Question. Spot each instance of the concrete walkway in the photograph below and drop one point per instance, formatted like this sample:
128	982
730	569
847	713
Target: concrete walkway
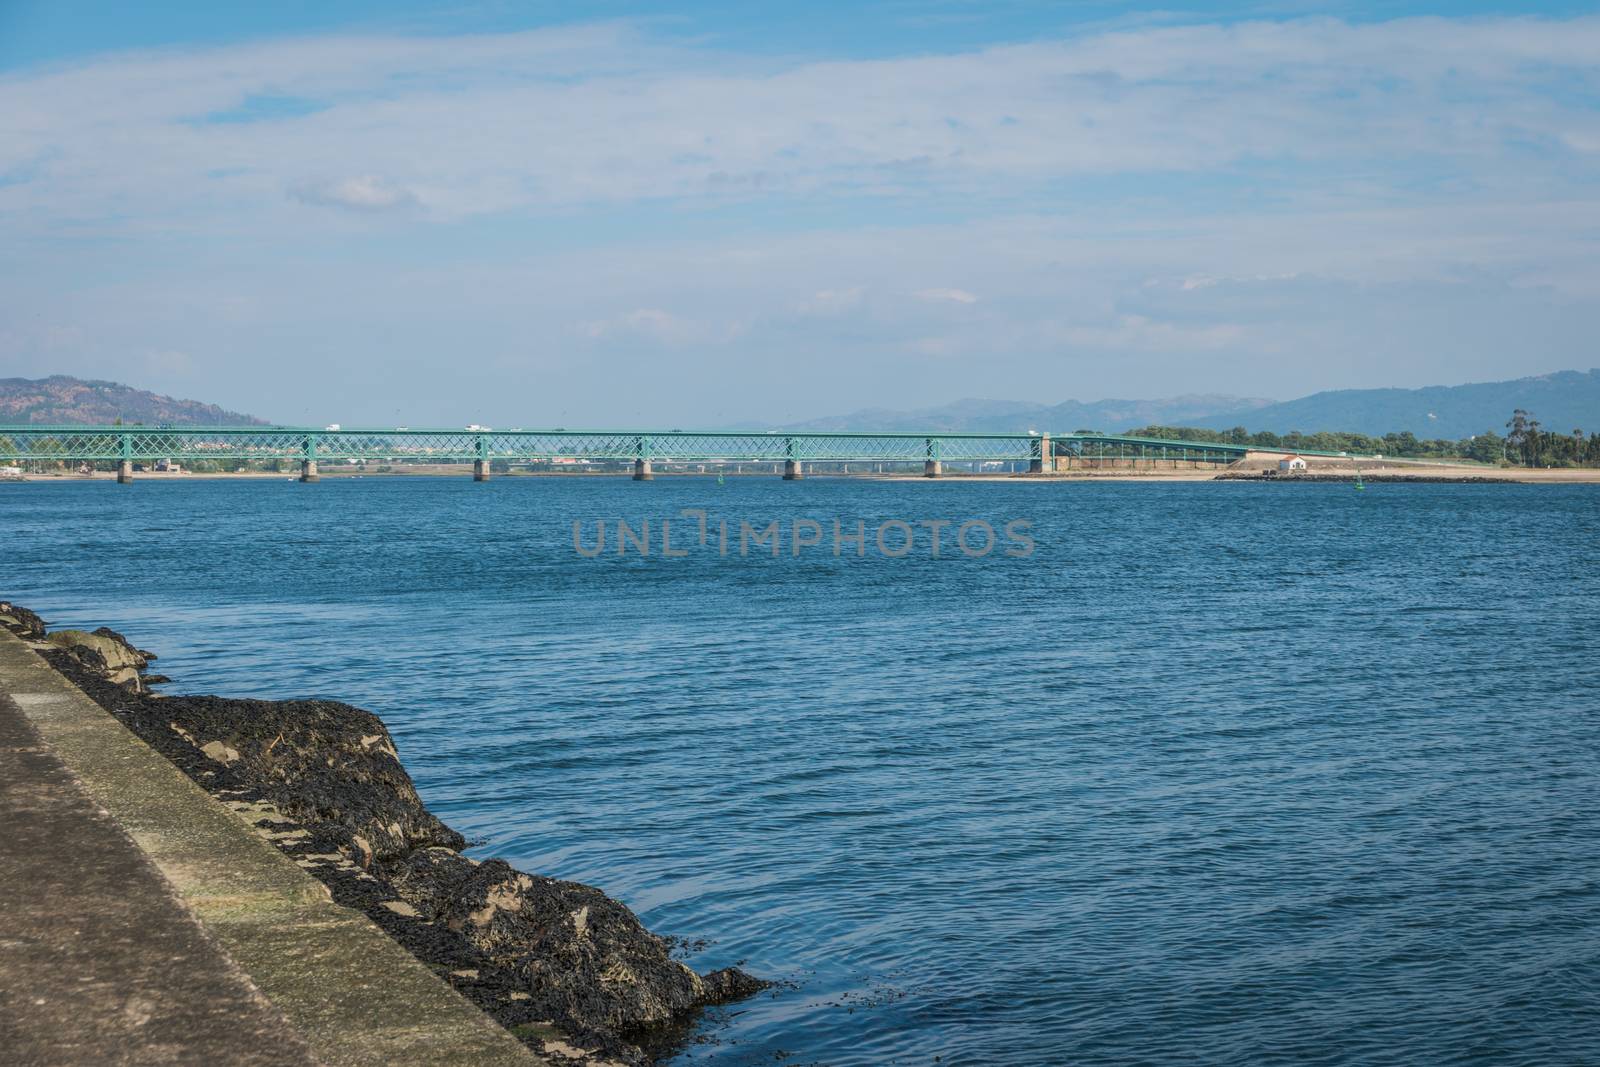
99	961
143	922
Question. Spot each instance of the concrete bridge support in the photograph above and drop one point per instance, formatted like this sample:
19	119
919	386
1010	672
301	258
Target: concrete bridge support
792	470
480	466
932	468
642	471
308	471
125	472
1043	461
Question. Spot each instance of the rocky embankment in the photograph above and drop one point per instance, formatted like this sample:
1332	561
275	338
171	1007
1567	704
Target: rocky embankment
563	966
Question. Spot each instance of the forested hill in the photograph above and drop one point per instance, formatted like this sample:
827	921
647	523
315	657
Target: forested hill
1563	402
63	400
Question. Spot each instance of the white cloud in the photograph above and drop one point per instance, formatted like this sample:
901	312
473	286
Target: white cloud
1206	281
661	327
364	193
827	302
539	120
1140	333
949	296
1318	201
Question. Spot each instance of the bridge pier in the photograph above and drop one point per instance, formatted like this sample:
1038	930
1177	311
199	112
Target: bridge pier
932	468
642	471
1044	460
308	471
480	466
792	471
125	472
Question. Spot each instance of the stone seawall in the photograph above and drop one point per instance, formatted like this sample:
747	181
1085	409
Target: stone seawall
565	968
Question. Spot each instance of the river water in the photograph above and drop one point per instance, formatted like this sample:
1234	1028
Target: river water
1230	773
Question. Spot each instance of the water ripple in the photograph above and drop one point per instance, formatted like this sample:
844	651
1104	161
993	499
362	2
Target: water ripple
1225	773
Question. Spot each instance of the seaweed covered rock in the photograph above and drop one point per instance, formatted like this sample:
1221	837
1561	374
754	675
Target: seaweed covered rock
325	764
104	652
583	957
23	620
566	968
729	984
140	657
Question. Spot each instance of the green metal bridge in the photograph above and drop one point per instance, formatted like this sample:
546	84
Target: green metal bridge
127	446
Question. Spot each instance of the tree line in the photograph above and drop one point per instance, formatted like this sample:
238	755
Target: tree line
1525	443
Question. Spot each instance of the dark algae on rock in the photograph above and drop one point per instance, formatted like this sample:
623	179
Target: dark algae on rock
566	968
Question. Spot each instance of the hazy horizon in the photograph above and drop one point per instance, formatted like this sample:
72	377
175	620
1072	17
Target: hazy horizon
1566	398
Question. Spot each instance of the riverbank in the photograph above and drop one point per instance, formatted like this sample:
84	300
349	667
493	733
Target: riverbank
567	970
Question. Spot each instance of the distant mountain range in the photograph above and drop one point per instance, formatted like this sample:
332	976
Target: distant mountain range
1563	401
1004	416
62	399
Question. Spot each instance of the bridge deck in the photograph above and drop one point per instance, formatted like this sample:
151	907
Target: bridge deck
140	444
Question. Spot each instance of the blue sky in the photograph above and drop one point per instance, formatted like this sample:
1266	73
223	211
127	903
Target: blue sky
33	32
614	213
